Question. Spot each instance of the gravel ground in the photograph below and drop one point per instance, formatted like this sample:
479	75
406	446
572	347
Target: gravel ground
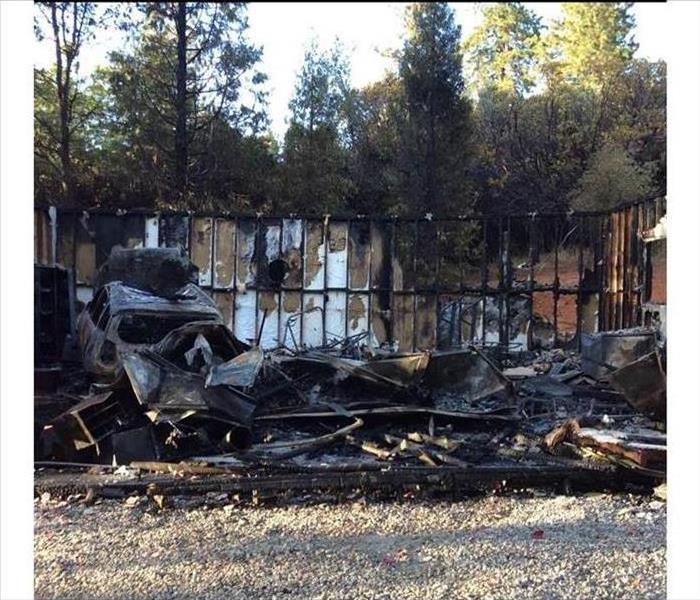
590	546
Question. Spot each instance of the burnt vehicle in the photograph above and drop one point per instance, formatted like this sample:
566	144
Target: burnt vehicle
143	295
124	319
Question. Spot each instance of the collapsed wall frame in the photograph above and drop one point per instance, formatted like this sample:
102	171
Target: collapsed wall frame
518	282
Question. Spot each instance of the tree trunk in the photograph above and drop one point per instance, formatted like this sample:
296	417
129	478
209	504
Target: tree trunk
181	158
62	92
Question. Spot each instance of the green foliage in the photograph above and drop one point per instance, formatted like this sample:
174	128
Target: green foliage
502	51
374	123
434	148
322	88
173	132
314	174
61	108
532	148
612	178
591	44
555	119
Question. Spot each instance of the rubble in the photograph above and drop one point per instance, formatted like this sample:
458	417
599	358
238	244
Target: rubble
603	352
178	393
643	383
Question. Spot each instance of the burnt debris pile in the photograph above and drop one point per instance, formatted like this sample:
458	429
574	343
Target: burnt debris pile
174	390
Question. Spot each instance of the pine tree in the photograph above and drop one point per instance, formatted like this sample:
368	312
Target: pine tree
502	50
434	139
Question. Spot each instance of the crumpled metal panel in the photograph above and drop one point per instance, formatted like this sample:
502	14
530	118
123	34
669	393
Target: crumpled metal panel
604	352
643	383
159	384
241	371
395	371
83	426
467	371
222	342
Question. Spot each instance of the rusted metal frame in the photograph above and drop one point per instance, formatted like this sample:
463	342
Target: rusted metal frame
615	227
392	259
501	282
257	259
506	281
304	223
597	244
626	269
484	278
583	235
281	286
415	278
212	251
39	236
557	237
325	229
74	252
423	291
299	215
640	283
531	271
620	274
234	291
640	259
460	258
55	323
610	283
347	279
624	275
370	292
635	232
606	272
436	277
610	279
650	267
647	255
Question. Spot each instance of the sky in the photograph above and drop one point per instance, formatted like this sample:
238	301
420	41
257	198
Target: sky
367	30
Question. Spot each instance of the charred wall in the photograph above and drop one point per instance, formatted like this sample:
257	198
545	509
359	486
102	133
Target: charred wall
522	281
